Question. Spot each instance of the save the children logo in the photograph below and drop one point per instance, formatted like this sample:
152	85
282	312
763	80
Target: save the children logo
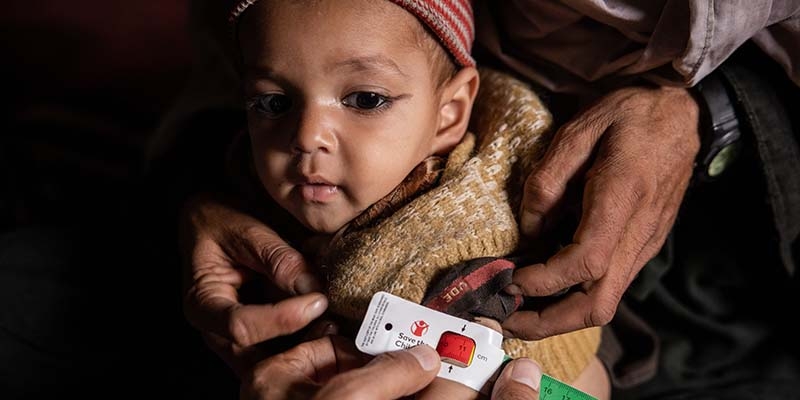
419	328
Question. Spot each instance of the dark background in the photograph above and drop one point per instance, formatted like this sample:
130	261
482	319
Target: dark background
84	83
89	278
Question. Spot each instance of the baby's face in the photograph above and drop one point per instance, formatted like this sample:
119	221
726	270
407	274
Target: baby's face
342	104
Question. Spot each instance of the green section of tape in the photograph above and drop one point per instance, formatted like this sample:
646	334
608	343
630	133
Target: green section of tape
552	389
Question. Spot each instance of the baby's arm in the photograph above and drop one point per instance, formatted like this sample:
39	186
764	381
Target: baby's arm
594	380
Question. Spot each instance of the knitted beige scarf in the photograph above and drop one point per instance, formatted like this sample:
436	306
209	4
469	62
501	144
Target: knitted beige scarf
471	213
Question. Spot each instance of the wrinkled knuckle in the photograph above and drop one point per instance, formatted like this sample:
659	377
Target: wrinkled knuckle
254	230
513	334
206	276
637	191
283	261
527	330
641	189
556	286
261	382
259	376
602	314
239	330
542	186
545	287
295	364
593	266
650	233
540	333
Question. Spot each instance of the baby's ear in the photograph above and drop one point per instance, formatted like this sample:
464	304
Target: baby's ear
458	96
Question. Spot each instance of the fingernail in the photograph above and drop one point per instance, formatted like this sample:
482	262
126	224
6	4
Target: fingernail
530	224
514	290
316	308
306	283
427	357
527	373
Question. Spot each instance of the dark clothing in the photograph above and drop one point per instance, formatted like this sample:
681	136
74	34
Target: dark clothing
721	294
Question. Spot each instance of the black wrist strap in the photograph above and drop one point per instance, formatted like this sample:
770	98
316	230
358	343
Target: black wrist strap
719	130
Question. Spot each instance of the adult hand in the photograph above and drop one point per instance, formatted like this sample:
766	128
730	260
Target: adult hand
226	248
633	151
331	368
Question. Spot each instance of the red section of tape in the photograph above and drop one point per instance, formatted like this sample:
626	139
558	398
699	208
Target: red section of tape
456	349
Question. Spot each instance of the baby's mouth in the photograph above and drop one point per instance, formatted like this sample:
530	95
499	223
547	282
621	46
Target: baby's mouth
318	192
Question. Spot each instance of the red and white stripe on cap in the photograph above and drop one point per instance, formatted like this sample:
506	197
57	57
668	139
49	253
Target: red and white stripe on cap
452	21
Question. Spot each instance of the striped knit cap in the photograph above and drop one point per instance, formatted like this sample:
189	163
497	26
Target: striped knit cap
451	21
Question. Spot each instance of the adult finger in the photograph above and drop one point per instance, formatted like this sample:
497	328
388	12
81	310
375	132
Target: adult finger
576	310
596	301
388	376
244	241
519	380
246	325
568	153
612	196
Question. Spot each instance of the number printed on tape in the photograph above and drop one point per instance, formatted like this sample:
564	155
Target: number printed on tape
552	389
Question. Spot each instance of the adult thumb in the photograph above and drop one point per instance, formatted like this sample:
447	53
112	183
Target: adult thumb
519	380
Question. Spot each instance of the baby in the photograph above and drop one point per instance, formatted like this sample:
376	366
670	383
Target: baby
358	114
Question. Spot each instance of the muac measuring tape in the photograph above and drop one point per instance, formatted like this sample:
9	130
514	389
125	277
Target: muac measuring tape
471	353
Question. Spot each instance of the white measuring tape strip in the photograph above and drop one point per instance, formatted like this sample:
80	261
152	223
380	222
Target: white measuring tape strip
471	353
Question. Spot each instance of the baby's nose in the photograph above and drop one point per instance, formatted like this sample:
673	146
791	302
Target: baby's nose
315	131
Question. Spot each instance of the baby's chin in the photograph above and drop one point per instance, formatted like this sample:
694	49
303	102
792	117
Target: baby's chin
327	224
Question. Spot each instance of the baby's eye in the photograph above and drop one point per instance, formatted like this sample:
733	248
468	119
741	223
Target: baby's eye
272	105
365	100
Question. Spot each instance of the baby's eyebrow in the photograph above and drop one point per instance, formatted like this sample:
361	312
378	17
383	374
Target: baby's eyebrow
256	72
369	63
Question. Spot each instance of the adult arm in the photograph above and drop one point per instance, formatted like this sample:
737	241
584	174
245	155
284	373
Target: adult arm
630	155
